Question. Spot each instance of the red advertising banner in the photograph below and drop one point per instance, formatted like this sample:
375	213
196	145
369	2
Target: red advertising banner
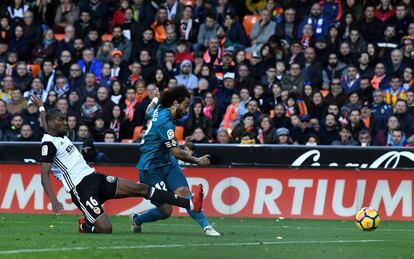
241	192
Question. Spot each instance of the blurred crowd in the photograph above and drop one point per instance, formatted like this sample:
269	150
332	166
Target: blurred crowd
326	72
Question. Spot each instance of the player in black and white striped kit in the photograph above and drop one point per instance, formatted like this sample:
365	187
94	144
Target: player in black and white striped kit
89	189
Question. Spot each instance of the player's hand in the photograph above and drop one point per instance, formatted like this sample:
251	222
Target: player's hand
204	160
36	100
57	207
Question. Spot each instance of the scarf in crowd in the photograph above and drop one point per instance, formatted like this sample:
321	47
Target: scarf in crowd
129	111
173	11
208	111
140	97
115	125
90	112
185	27
319	24
230	116
376	81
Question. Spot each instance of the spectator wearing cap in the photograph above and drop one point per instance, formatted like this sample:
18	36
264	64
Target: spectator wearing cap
89	64
282	136
121	43
294	81
119	67
225	93
319	22
207	31
186	77
12	133
235	32
262	30
301	132
226	65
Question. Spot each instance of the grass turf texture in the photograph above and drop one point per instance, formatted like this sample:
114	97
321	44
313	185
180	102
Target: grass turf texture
181	238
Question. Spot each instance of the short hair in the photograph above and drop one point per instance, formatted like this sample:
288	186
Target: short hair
249	114
190	145
53	114
109	131
179	94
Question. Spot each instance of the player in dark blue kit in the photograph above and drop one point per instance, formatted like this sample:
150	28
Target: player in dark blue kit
158	165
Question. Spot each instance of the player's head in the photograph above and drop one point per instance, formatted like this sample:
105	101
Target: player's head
177	99
56	122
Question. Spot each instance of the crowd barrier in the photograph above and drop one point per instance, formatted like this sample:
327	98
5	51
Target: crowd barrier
272	156
315	193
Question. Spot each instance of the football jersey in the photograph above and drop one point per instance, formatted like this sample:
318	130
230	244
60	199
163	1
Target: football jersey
157	140
68	164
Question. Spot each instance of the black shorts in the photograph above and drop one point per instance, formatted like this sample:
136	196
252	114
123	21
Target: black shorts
90	194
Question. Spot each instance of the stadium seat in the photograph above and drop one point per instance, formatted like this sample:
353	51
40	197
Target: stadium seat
59	36
127	141
107	37
35	68
137	132
248	22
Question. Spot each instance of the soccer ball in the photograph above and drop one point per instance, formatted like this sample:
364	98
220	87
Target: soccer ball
367	219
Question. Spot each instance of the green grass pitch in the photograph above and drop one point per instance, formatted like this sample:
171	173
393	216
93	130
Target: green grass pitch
47	236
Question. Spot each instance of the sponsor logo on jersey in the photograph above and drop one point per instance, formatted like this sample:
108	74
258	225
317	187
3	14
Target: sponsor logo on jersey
170	134
97	210
110	179
69	149
45	150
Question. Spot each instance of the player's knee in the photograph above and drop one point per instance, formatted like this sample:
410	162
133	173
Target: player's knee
105	229
183	192
166	212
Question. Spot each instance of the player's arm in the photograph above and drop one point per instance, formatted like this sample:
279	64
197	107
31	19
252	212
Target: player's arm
39	105
48	153
180	154
151	107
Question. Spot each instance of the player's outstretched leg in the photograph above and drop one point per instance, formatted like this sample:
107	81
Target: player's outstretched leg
127	188
101	225
199	217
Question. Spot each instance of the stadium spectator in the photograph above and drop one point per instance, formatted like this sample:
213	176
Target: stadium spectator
18	102
346	138
12	132
26	133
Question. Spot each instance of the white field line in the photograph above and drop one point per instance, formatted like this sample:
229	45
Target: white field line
190	225
268	243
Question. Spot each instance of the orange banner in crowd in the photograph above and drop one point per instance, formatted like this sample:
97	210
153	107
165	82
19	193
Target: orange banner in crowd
240	192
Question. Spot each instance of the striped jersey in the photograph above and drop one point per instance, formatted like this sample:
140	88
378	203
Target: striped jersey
68	164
